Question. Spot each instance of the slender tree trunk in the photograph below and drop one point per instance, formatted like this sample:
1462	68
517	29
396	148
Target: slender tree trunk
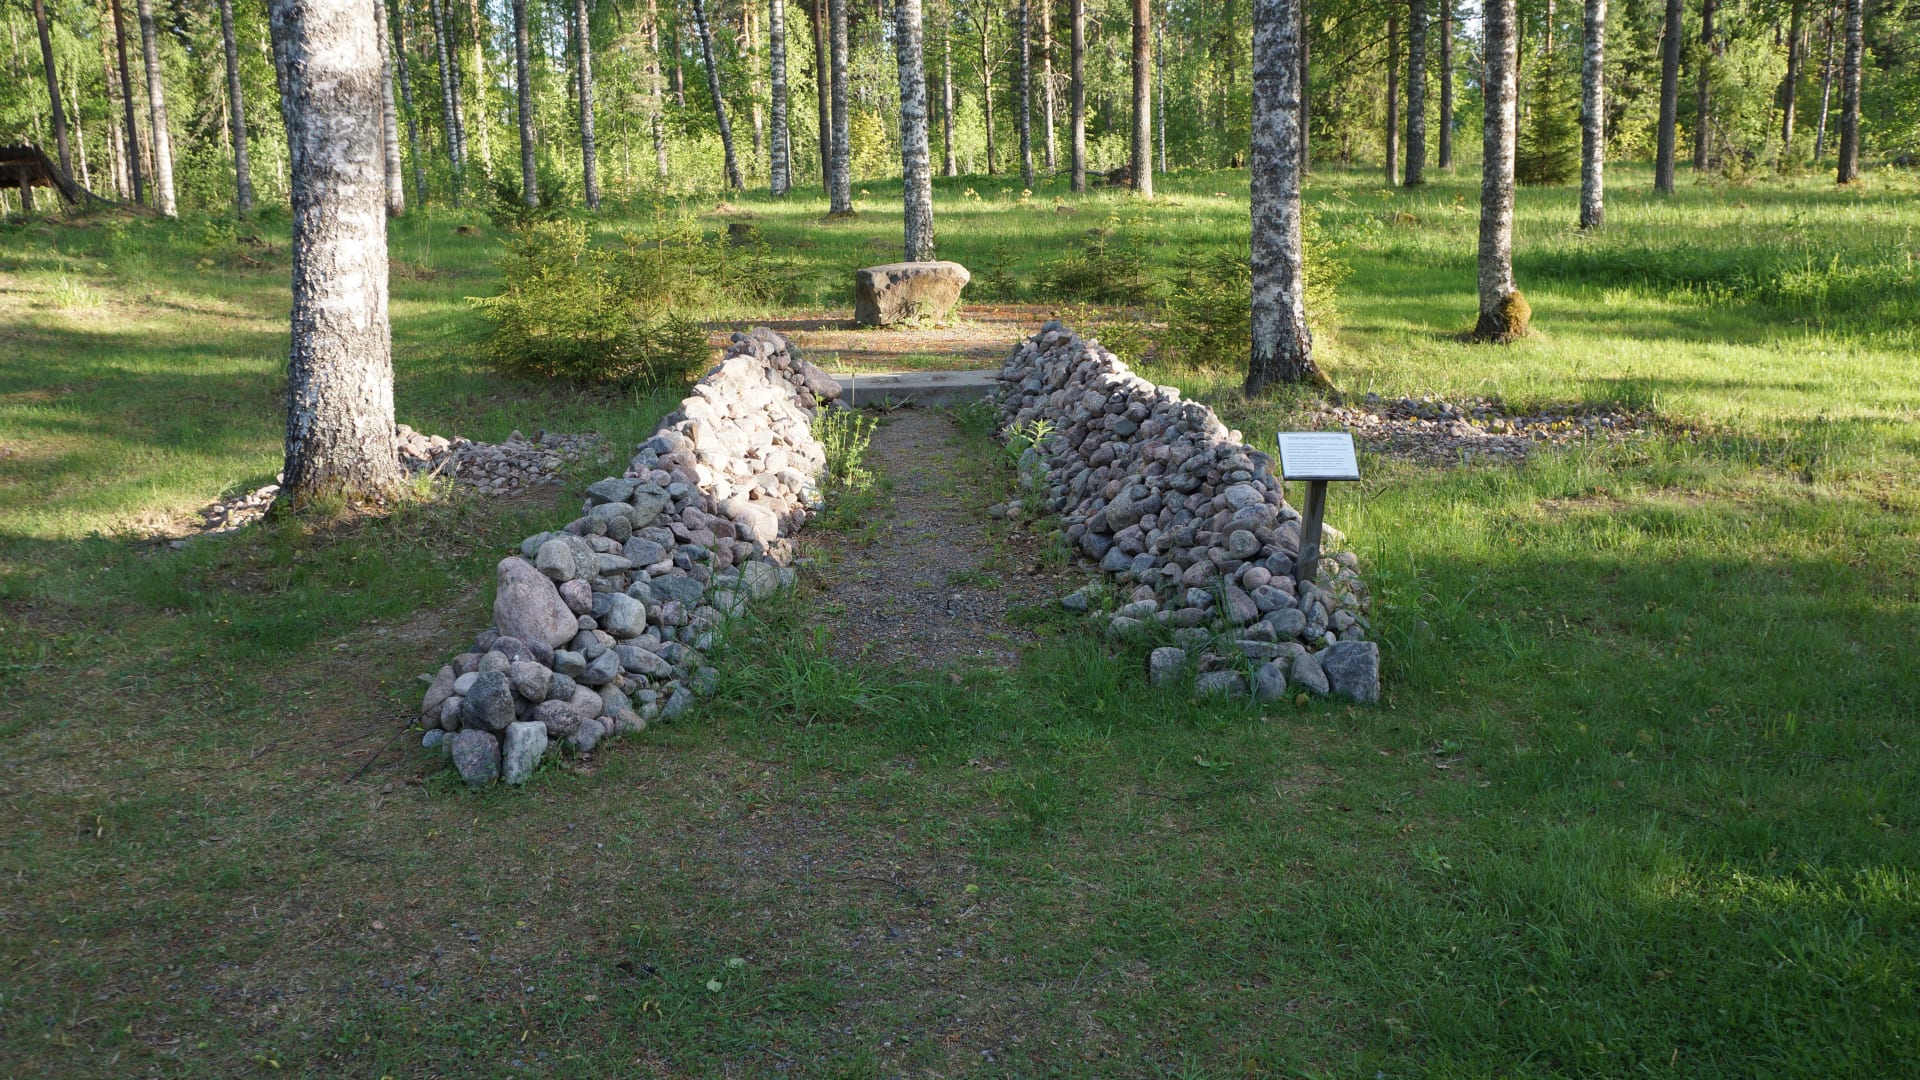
389	118
1503	313
1667	135
449	64
126	100
1306	91
589	159
916	167
840	163
340	433
780	150
1077	105
748	52
1446	85
678	77
1026	94
523	106
1393	96
116	145
1049	92
1703	105
1143	97
1790	87
948	167
53	86
986	80
1282	345
1826	87
657	105
823	88
406	98
163	200
701	27
482	91
79	129
1160	92
1416	93
1849	170
1593	116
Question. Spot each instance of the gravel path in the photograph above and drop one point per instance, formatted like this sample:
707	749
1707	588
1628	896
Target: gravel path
928	583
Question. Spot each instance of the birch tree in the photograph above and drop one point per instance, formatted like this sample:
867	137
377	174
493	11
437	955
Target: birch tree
1790	86
1282	349
162	142
389	119
449	63
1849	170
406	98
1446	85
705	31
1143	97
779	150
53	85
1503	311
1077	63
1593	116
839	163
135	172
523	106
1666	136
340	433
1026	94
1703	100
1416	94
656	98
916	167
1393	96
589	162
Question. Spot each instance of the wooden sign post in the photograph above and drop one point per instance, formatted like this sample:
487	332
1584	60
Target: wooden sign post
1316	457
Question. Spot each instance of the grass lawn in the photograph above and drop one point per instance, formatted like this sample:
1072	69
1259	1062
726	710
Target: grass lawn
1638	800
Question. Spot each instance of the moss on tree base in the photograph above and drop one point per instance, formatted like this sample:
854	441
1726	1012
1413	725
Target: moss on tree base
1507	324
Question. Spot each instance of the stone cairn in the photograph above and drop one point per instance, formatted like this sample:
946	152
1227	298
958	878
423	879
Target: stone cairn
603	626
1188	525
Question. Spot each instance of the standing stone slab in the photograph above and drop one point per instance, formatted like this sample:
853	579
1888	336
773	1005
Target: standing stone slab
526	742
884	295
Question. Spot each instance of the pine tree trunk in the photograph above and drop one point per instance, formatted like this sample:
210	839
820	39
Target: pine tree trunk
948	167
116	144
1593	116
53	86
780	149
1143	97
1077	63
1393	96
1446	85
406	97
1826	87
523	106
340	433
1049	92
449	65
916	166
1160	93
839	163
1849	170
677	80
1282	345
701	27
1026	94
1503	314
163	200
589	159
1667	136
1416	93
396	177
1790	86
1703	105
657	105
986	82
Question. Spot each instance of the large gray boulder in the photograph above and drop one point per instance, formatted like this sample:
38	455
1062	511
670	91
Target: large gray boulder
896	292
528	606
1353	668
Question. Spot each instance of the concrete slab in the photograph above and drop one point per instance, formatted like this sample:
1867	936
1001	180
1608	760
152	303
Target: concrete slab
928	389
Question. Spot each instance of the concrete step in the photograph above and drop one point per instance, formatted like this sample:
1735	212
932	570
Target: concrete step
927	389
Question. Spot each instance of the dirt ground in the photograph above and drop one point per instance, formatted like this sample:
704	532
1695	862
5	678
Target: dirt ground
979	336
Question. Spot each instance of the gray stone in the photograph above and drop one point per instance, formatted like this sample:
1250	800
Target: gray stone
676	587
492	661
560	717
1116	561
762	579
1220	684
556	560
643	662
898	292
577	595
613	489
648	502
1078	600
530	680
586	701
1287	622
476	756
438	691
677	704
1165	665
433	738
603	670
1258	650
489	704
643	552
1306	671
569	662
526	742
1270	681
1352	668
618	711
1123	627
625	617
587	736
527	605
1242	544
561	688
1240	607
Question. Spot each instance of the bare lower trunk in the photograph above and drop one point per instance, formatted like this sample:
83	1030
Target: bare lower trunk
1049	93
340	433
1849	170
657	106
406	98
1703	102
482	89
1503	314
948	167
1026	94
1446	85
1160	93
1143	97
1790	86
1593	116
839	163
53	86
986	84
779	150
79	131
1282	345
823	89
589	159
1306	92
1416	93
236	115
1393	96
1077	62
523	106
1667	137
1826	88
389	116
163	200
916	167
449	63
701	27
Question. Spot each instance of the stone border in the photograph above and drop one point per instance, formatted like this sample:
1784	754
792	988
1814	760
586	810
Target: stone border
603	626
1186	523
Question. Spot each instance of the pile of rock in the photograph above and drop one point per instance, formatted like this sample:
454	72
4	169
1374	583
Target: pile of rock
1188	525
1431	431
603	626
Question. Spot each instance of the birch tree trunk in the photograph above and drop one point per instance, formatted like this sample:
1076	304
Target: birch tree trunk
1702	114
1826	88
53	85
481	90
948	167
657	106
1416	93
1026	94
1446	86
1593	116
1306	91
236	115
406	97
986	75
1666	136
701	27
396	178
1077	64
823	89
1503	312
677	78
1790	86
779	149
163	200
449	63
1049	93
1143	97
1160	92
1849	170
1282	345
589	159
340	433
916	167
116	144
1393	96
523	106
839	163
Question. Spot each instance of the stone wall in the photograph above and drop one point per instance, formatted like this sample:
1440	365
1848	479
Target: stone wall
1188	526
602	627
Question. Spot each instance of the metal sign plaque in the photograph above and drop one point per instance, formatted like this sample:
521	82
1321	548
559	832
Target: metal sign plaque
1318	455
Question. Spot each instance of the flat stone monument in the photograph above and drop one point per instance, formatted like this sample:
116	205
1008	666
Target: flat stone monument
898	292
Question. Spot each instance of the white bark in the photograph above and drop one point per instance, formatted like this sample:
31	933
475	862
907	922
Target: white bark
236	114
1849	170
1282	344
1593	117
780	150
1026	94
589	161
916	166
840	167
705	31
389	118
163	200
1498	319
1143	97
1077	62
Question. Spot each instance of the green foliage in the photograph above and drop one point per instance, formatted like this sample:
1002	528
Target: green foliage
1105	266
1548	149
871	145
509	209
1208	322
844	434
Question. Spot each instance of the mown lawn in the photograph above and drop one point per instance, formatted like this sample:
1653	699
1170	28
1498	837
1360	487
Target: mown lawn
1640	799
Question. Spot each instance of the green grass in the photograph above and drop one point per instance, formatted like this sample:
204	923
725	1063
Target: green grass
1640	799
